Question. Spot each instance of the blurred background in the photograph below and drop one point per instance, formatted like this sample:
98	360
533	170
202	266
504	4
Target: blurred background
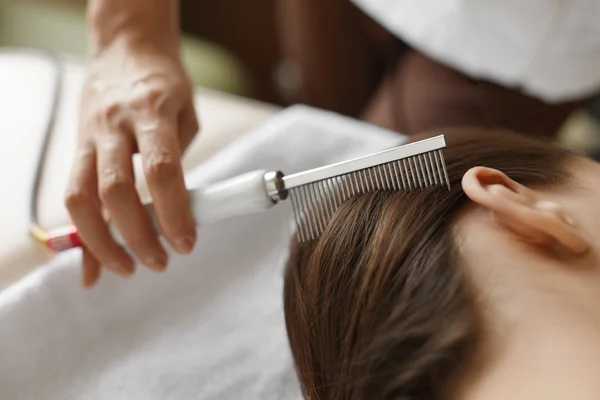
229	45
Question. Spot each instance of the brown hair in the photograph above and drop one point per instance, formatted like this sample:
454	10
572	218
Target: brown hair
378	307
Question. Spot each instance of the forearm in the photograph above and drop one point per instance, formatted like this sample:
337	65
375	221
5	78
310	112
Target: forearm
131	22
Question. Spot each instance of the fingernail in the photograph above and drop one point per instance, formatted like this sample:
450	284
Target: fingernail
157	263
184	245
87	282
121	269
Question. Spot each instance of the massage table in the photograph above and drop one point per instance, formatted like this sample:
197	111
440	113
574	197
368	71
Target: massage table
25	94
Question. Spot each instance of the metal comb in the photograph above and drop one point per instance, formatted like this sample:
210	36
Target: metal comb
317	193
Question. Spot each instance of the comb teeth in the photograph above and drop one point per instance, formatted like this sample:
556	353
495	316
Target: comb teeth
315	203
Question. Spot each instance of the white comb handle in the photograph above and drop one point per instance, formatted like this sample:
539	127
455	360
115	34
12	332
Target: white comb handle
242	195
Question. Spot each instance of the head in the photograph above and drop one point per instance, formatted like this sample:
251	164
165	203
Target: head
488	291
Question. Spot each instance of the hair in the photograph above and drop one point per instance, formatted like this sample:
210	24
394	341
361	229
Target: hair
378	307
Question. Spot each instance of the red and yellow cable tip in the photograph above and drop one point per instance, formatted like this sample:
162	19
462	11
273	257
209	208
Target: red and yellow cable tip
63	239
57	240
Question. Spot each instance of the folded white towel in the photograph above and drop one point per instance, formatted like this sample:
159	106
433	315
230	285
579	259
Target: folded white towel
211	327
547	48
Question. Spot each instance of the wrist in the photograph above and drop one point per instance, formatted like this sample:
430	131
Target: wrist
133	24
133	42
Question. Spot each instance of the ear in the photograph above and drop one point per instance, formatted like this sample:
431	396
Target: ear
522	211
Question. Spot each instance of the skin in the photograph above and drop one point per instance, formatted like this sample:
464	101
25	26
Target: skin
136	98
533	256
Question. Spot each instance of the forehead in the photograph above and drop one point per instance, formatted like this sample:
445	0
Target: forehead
586	172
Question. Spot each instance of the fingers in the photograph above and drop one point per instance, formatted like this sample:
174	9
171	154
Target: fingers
116	185
84	207
91	269
103	171
159	146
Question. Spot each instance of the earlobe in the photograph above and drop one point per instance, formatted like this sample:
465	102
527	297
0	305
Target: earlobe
521	211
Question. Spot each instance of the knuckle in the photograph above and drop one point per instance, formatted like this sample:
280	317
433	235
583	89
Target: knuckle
161	166
75	197
158	99
154	96
109	112
113	184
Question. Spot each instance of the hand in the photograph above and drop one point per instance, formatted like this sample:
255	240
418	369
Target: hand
134	99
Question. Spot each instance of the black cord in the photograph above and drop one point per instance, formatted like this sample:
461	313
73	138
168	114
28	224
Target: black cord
58	73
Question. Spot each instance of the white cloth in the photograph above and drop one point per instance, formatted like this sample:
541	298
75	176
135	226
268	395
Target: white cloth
548	48
210	327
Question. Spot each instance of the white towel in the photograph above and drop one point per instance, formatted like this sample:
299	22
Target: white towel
211	327
547	48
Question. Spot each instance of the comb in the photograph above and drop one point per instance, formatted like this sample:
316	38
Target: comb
315	194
